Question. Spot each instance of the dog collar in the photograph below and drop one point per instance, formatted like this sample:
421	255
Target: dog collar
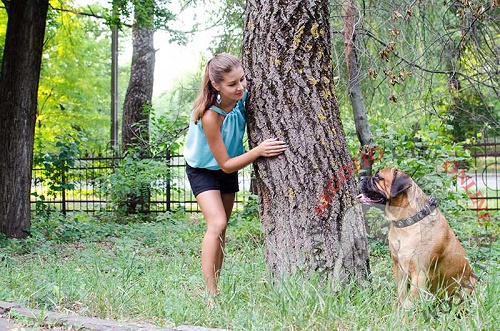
426	211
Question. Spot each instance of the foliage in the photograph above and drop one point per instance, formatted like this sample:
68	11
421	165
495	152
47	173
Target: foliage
229	17
245	226
425	150
75	228
56	165
469	115
168	119
73	92
123	11
132	183
172	111
166	133
416	60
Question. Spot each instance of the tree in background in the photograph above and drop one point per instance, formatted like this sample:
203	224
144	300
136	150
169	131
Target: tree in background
148	17
138	99
137	105
307	195
22	56
19	79
351	19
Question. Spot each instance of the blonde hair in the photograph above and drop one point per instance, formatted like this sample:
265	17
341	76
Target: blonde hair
215	70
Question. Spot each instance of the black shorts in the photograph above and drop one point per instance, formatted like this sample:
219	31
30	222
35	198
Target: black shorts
202	180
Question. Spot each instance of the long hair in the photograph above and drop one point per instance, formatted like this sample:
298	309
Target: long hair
215	70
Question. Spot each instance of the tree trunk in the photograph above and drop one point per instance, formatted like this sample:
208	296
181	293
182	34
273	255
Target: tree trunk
18	105
135	126
358	107
310	218
136	109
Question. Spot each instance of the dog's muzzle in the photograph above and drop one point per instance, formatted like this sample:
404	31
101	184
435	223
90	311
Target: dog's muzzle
370	194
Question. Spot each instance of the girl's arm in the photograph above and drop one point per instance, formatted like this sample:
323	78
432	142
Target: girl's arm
212	123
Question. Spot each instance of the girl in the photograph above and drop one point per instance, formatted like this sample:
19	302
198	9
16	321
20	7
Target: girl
214	153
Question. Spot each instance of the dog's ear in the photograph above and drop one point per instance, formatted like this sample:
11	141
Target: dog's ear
402	181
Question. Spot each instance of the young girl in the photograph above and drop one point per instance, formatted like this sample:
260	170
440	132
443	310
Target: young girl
214	153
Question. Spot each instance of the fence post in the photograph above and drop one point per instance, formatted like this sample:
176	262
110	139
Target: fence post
63	192
168	179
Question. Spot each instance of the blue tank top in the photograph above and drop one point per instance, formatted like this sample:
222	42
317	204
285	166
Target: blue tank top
197	153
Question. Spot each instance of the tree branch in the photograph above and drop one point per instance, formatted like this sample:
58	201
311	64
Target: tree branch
424	69
91	14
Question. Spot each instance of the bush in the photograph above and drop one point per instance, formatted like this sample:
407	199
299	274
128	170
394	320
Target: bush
133	182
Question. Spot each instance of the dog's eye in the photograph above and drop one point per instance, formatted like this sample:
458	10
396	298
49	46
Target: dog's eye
377	177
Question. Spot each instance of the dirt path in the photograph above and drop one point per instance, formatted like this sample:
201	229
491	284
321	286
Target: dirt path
61	322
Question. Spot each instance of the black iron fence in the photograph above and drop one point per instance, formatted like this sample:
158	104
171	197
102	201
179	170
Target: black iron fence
481	180
100	182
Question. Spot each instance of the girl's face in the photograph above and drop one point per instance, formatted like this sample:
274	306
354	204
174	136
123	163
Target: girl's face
232	87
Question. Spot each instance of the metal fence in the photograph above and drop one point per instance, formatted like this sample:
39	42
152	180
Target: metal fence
95	181
481	180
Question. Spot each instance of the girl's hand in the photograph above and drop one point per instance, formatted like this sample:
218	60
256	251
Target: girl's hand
271	147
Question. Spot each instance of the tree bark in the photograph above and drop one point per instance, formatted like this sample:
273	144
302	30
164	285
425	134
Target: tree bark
355	93
310	218
19	79
136	109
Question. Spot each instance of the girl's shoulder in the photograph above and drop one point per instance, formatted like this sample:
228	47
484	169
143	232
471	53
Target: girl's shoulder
210	118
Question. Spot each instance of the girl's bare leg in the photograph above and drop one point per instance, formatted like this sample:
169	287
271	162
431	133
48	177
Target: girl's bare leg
216	208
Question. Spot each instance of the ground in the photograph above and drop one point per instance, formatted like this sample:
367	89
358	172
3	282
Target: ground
60	322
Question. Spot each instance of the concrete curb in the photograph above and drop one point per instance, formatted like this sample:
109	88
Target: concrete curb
83	323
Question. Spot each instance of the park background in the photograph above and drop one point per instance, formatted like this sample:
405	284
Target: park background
92	254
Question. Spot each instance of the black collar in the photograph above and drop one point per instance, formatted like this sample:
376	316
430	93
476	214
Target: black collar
426	211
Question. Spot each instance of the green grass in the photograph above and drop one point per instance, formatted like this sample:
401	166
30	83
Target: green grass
149	272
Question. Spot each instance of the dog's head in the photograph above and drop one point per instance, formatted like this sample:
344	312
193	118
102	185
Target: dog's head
385	185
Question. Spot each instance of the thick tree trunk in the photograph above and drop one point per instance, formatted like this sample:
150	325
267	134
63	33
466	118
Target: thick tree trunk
310	217
358	107
18	104
135	125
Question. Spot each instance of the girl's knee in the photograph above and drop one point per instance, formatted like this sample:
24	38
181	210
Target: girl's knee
217	227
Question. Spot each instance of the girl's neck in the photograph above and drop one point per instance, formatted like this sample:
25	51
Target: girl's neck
227	107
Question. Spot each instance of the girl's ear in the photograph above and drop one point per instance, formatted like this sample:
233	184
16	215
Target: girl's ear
214	85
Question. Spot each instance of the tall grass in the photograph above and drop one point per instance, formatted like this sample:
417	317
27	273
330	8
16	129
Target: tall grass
149	272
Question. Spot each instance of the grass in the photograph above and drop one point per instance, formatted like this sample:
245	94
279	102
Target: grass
149	272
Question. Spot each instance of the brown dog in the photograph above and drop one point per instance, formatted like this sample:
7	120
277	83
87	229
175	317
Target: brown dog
425	252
